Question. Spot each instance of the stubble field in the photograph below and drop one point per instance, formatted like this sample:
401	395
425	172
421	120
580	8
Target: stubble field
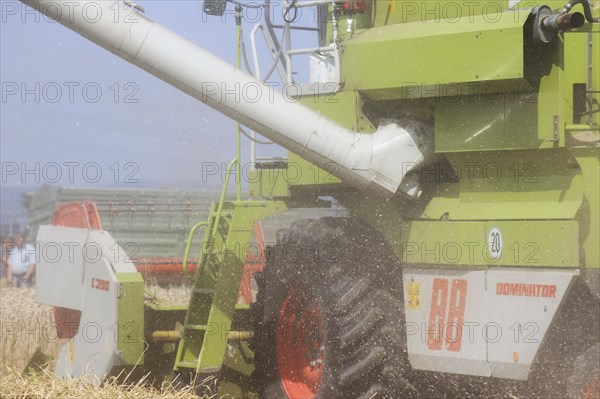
27	326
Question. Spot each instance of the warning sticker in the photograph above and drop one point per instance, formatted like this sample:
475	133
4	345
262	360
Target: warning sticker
414	295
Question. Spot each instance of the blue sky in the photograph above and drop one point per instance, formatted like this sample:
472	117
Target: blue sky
52	112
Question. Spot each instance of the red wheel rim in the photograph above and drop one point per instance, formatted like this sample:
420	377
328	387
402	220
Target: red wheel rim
591	390
299	344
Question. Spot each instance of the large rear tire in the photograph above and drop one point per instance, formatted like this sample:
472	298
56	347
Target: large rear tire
584	383
329	315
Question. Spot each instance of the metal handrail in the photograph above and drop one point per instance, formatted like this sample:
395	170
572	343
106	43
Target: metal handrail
282	60
333	48
188	246
213	232
232	164
272	52
238	127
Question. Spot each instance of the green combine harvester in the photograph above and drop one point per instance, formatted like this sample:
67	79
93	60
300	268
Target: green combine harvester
433	232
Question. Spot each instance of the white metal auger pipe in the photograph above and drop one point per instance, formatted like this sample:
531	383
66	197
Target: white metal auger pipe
378	161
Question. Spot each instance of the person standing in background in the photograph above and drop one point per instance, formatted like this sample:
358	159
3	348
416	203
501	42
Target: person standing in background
21	263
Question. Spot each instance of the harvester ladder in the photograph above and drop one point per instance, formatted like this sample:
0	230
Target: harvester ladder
216	283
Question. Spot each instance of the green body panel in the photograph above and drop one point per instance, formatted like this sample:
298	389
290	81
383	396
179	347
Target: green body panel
589	213
507	185
595	55
477	124
130	308
528	243
268	182
552	117
431	54
379	13
501	109
239	364
402	11
489	86
556	88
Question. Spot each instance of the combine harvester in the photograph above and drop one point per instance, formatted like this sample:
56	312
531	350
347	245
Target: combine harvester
468	257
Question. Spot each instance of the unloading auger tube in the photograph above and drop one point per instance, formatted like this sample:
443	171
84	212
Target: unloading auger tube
378	161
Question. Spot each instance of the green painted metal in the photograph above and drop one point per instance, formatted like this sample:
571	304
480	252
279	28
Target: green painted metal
477	124
589	213
525	243
581	128
551	105
503	118
239	360
214	290
268	182
506	185
188	246
429	59
402	11
489	86
213	228
130	327
238	133
592	37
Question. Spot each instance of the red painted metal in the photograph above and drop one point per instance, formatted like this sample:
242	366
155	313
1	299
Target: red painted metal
163	266
299	343
82	214
255	262
592	390
354	6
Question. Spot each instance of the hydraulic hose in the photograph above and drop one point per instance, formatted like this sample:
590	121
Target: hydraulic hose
587	10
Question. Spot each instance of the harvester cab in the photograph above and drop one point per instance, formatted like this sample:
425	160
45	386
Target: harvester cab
440	232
